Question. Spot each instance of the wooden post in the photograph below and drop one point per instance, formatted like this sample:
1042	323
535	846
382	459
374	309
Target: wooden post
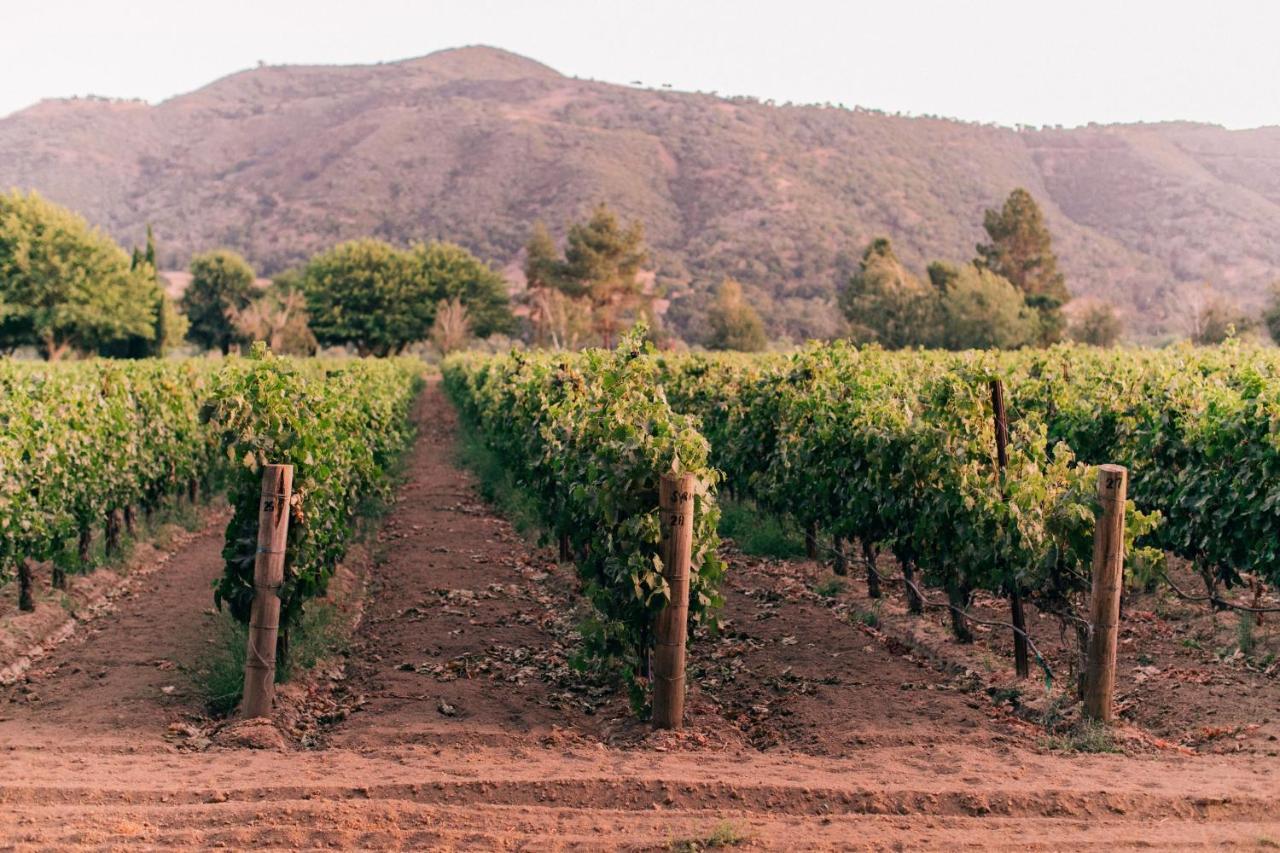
811	540
1108	574
25	601
870	553
1020	662
675	503
841	562
268	574
84	543
112	525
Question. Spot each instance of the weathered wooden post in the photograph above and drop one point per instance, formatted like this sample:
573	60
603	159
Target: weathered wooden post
811	540
1108	575
675	503
25	602
1020	662
112	546
268	575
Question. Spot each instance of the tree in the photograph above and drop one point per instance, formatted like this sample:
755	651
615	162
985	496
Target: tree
1098	325
602	260
170	326
64	285
1021	250
279	317
451	272
542	262
452	327
733	322
1208	317
978	309
886	304
364	293
221	285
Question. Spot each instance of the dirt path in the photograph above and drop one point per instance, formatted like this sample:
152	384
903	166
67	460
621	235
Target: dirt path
120	681
469	728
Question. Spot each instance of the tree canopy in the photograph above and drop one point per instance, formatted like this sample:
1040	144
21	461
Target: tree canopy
1098	325
65	285
599	273
221	285
1021	250
452	273
379	299
978	309
734	324
885	303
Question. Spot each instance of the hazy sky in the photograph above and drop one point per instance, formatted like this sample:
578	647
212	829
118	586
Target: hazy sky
1009	61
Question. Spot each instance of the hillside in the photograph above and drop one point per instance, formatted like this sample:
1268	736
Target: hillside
474	144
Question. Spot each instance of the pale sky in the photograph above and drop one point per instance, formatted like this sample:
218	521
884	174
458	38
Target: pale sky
1032	62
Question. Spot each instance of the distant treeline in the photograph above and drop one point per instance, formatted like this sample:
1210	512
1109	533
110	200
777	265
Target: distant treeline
67	288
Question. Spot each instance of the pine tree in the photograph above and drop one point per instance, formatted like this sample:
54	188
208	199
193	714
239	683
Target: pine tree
886	304
601	262
1021	250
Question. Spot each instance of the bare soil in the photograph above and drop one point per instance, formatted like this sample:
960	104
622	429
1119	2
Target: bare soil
457	722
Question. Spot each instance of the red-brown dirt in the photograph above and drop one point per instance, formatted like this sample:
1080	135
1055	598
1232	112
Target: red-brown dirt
463	725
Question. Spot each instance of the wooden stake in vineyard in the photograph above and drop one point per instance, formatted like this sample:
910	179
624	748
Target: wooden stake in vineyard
675	504
268	575
1020	661
1108	574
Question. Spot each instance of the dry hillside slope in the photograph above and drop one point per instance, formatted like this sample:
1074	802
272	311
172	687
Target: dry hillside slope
473	144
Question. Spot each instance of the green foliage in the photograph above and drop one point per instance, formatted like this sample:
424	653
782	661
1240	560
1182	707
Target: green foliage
898	449
364	294
370	295
65	286
734	323
1098	326
221	285
1021	250
341	424
602	260
1086	736
79	440
589	436
886	304
1219	321
978	309
760	534
452	273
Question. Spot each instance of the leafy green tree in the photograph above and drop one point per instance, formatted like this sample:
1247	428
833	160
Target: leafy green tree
542	262
602	260
366	294
1021	250
978	309
1098	325
221	285
886	304
734	323
64	285
450	272
170	326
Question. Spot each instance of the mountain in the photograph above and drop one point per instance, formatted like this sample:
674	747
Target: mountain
474	144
